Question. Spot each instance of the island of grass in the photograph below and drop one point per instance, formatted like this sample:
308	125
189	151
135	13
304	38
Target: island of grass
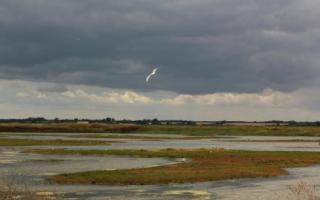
28	142
203	165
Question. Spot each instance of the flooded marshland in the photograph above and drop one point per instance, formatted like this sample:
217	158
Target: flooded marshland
32	169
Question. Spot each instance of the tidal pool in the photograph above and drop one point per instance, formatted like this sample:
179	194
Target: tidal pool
32	169
232	144
256	143
240	189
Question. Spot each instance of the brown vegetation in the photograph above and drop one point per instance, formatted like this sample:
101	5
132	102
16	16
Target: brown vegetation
14	192
27	142
68	128
205	165
302	191
190	130
232	130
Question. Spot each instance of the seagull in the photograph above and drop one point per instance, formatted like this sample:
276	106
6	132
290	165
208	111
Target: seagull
154	71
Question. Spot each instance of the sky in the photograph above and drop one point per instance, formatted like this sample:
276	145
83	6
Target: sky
249	60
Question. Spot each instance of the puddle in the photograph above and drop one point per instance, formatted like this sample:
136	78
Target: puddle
188	192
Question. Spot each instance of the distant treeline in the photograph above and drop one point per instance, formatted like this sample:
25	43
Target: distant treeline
110	120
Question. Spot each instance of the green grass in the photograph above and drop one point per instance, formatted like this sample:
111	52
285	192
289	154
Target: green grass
28	142
205	165
231	130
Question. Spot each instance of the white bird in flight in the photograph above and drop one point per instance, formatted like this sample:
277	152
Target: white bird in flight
154	71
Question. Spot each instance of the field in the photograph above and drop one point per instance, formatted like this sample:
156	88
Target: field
28	142
203	165
67	128
187	130
231	130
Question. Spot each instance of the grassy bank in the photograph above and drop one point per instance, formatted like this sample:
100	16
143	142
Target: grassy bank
27	142
205	165
154	137
68	128
231	130
198	131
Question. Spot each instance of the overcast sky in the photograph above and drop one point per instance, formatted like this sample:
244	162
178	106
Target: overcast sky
218	59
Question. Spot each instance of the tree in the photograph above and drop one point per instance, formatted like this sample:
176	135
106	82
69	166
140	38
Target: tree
155	121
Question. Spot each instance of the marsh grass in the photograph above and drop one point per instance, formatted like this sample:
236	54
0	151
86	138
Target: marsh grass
231	130
11	191
188	130
48	160
68	128
204	165
274	140
29	142
302	191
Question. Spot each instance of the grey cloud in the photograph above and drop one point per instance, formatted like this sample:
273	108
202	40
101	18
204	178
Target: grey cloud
201	46
52	88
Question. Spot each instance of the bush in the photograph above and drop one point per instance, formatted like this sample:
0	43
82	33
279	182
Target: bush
13	192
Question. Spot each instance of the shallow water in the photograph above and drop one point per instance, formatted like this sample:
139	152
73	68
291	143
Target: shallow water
204	143
26	168
32	169
273	143
243	189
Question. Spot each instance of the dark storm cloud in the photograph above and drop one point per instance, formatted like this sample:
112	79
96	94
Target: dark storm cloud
201	46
